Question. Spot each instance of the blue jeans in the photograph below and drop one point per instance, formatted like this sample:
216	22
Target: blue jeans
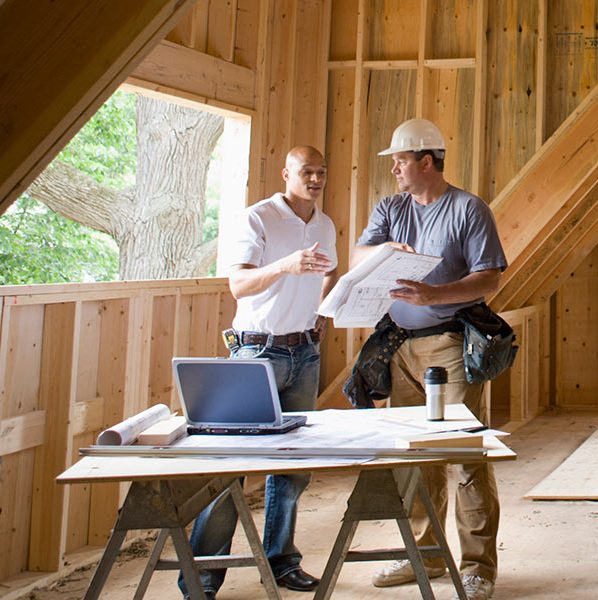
297	371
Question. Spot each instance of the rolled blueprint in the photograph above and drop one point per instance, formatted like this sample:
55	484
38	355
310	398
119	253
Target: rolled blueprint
127	431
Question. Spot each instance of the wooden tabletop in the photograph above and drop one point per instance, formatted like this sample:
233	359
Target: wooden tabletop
335	429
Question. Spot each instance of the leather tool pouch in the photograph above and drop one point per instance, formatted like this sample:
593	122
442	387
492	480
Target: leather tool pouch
488	343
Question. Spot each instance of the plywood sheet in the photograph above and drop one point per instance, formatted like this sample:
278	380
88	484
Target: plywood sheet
343	30
510	141
578	324
572	54
391	101
575	479
452	29
162	344
392	25
448	102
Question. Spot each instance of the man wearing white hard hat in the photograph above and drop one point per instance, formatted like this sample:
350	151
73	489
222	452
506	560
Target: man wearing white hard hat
431	216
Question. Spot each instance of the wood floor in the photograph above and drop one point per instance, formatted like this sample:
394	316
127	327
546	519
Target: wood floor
547	549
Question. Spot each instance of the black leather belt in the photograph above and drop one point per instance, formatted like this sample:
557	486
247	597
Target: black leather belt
290	339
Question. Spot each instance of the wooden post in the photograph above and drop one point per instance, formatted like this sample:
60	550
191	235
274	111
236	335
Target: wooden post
479	99
49	508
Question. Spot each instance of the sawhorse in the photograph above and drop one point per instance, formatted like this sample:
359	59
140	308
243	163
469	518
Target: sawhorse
388	494
170	505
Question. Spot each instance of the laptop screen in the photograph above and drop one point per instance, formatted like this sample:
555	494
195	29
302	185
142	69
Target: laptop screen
224	391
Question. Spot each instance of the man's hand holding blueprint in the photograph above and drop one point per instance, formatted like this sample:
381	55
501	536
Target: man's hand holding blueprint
361	297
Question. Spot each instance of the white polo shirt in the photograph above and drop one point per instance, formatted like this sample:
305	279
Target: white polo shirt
268	231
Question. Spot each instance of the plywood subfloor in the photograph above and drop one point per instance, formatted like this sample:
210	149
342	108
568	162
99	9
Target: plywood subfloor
547	549
576	478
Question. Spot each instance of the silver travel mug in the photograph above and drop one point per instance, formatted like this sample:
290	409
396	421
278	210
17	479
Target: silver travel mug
435	379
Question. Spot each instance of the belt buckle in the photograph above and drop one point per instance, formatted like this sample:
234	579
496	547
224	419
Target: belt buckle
253	338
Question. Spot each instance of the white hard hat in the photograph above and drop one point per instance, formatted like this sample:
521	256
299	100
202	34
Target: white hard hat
415	135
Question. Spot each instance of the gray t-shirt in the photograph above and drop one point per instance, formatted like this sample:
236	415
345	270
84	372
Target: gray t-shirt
459	227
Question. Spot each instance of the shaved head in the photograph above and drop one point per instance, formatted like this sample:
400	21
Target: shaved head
300	155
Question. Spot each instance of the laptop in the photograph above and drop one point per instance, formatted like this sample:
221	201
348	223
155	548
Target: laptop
231	397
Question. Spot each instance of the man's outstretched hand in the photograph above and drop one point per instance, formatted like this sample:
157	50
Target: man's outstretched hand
307	261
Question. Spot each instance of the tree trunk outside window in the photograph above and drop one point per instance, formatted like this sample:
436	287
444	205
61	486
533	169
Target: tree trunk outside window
157	225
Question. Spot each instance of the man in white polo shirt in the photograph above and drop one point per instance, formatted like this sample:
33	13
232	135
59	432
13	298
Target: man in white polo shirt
284	264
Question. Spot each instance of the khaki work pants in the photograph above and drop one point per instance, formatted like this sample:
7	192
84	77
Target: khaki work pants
477	508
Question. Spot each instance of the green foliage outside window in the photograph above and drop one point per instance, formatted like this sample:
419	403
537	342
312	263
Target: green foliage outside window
106	147
39	246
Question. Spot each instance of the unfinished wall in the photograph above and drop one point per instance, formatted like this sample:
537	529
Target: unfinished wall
572	32
259	57
390	61
341	74
485	73
75	359
498	77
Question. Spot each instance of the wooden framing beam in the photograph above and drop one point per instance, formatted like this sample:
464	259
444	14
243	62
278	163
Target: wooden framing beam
424	31
59	61
541	73
538	210
559	248
190	74
258	142
479	98
22	432
357	207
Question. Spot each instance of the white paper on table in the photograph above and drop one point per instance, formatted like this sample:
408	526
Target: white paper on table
332	428
367	430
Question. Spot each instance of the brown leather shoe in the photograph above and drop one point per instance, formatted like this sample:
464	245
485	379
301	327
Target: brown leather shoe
298	581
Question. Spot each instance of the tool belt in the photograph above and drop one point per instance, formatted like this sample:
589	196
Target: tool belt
235	339
453	325
488	350
370	378
488	343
